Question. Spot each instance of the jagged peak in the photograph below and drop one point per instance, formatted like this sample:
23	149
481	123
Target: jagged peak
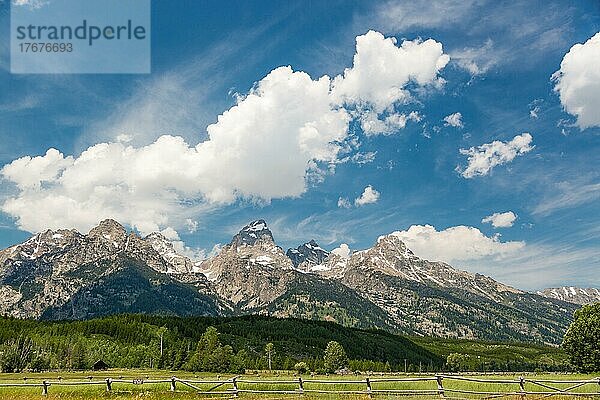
256	225
110	228
253	232
393	240
309	252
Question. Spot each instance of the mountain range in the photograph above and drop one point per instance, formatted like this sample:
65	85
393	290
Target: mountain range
572	294
64	274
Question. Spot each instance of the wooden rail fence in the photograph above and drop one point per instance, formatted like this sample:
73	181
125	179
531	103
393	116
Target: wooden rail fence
235	386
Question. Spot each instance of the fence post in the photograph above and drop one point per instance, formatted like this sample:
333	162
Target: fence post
45	388
235	387
440	386
300	385
108	384
522	387
368	381
173	387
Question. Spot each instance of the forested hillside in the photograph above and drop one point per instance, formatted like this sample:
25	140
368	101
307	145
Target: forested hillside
133	341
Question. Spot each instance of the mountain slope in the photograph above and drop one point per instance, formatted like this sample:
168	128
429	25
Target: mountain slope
133	287
44	274
429	298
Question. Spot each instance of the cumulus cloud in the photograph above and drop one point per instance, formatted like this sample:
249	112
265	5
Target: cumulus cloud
482	159
179	246
578	82
142	186
28	173
343	251
381	70
501	220
267	146
457	243
368	196
454	120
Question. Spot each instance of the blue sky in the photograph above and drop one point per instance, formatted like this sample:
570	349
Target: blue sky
490	62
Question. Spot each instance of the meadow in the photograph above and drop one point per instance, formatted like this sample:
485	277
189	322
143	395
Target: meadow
265	381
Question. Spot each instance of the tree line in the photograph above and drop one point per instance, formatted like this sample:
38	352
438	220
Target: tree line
256	343
199	344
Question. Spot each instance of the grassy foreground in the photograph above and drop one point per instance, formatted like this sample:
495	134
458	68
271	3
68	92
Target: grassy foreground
161	391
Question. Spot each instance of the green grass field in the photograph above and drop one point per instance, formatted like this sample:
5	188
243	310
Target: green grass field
161	390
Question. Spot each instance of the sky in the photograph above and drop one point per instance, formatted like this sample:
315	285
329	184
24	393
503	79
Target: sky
469	128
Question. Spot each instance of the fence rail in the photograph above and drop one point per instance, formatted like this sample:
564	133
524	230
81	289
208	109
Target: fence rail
542	388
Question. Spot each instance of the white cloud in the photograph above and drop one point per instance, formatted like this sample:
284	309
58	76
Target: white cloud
381	70
29	172
402	16
143	186
457	243
368	196
266	146
501	220
124	138
33	4
343	251
578	82
191	225
478	60
343	202
568	195
482	159
454	120
535	108
371	124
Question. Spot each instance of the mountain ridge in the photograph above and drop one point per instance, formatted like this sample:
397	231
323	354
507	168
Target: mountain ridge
66	274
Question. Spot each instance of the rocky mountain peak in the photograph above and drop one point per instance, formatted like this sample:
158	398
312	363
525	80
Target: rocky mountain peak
253	232
310	253
392	243
164	247
109	230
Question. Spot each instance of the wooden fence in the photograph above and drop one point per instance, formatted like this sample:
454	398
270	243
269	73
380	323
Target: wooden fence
236	386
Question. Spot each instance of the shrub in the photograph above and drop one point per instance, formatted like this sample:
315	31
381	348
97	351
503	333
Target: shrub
301	367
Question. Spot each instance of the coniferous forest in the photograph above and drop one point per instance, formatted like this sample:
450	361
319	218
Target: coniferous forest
241	343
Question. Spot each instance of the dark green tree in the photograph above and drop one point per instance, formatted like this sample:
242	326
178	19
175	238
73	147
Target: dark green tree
582	340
